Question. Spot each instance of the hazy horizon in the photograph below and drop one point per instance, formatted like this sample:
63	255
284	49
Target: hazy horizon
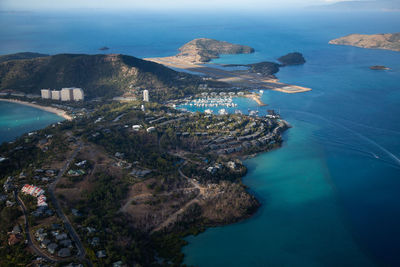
256	5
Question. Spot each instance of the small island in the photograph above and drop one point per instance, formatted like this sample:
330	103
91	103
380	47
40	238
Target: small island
203	50
294	58
379	67
387	41
104	48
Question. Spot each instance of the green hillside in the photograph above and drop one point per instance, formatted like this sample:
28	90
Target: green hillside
22	55
99	75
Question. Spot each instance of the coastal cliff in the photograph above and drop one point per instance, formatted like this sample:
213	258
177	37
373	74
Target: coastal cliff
203	50
388	41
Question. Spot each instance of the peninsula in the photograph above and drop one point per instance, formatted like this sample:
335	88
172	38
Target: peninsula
125	182
387	41
260	75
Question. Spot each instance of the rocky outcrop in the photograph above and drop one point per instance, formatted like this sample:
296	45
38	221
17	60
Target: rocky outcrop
388	41
203	50
295	58
379	67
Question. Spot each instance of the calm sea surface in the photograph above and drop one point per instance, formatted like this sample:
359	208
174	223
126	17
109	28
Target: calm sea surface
330	195
17	119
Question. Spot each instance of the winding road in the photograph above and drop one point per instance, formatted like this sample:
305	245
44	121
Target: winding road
29	235
74	235
68	226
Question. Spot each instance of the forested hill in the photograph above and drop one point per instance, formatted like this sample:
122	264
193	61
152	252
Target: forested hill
99	75
22	55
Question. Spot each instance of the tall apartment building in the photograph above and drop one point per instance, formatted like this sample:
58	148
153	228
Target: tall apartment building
55	95
67	94
46	93
78	94
146	95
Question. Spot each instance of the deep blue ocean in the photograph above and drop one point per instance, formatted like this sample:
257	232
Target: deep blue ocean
331	194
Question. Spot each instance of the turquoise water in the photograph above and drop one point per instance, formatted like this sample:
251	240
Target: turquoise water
299	212
330	194
16	119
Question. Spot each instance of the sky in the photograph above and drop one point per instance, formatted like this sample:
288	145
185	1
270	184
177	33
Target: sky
155	4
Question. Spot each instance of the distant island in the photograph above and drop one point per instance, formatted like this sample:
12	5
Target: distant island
387	41
368	5
203	50
379	67
104	48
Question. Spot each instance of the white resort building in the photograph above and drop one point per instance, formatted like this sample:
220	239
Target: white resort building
46	93
146	95
66	94
55	95
78	94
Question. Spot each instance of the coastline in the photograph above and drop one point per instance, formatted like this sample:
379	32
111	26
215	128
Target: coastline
250	80
56	111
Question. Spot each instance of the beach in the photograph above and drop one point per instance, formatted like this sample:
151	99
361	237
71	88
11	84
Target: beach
56	111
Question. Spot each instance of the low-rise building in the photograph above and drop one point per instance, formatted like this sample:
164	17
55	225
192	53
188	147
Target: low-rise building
101	254
66	243
64	252
151	129
45	243
136	127
52	248
231	165
8	184
61	236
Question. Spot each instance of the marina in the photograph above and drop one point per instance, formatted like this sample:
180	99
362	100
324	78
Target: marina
212	102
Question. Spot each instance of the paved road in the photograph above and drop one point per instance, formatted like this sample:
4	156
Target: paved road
60	213
29	235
